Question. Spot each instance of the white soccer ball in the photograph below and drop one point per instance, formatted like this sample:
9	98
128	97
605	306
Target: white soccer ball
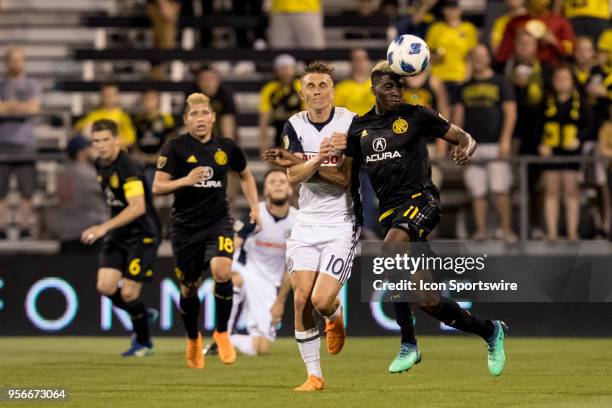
408	55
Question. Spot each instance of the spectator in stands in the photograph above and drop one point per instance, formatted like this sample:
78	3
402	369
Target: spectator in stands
566	119
487	110
296	24
81	203
418	19
529	77
450	42
164	15
19	101
355	94
221	98
589	81
153	128
109	109
278	101
588	17
604	49
554	33
514	8
605	149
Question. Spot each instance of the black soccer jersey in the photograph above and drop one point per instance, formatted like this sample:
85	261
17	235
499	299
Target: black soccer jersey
120	180
204	203
392	148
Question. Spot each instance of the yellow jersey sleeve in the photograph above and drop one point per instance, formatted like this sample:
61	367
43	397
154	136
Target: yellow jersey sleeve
265	95
296	6
133	188
497	32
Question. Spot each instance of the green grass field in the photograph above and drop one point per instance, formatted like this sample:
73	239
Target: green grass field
539	373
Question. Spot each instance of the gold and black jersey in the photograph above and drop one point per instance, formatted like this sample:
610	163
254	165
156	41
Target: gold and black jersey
565	125
392	148
120	180
205	203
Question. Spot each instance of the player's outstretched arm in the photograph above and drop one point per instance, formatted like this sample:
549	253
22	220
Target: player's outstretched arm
282	157
299	173
136	207
249	189
164	185
465	145
340	176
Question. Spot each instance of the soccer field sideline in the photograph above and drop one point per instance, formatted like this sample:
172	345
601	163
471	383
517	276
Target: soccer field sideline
541	372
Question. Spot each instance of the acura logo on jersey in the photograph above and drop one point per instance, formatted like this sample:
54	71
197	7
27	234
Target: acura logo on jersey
379	144
206	181
382	156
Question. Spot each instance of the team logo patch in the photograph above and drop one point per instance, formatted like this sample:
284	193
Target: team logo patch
192	159
221	157
400	126
161	162
364	133
114	180
379	144
289	265
286	141
179	274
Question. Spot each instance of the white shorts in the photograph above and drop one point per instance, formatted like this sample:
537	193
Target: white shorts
327	249
259	296
493	176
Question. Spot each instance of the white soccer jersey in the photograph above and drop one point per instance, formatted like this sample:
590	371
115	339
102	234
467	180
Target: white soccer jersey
320	202
263	252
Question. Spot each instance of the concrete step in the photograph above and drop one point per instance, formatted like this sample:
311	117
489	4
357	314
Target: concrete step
59	5
69	35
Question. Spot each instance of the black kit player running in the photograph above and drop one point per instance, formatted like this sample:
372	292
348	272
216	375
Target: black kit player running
389	142
194	167
131	235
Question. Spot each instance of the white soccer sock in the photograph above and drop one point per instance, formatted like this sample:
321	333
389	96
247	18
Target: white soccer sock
244	344
309	344
237	299
334	316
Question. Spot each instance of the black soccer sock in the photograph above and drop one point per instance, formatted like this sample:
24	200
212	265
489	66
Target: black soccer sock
223	304
190	310
118	300
450	313
403	317
138	313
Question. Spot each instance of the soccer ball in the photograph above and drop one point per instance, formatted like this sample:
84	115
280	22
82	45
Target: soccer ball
408	55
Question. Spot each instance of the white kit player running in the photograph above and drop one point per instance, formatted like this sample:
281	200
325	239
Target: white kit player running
261	281
322	245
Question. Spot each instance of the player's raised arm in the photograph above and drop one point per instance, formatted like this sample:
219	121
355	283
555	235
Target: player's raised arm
465	145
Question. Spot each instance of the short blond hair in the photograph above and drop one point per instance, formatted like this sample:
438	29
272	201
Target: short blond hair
196	99
382	67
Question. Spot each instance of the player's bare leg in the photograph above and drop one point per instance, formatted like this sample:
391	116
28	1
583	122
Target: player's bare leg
306	332
221	270
190	310
326	303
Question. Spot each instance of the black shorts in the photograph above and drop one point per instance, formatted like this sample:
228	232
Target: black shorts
418	216
135	259
192	260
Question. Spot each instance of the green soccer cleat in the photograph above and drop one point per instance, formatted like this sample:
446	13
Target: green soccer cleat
408	356
497	358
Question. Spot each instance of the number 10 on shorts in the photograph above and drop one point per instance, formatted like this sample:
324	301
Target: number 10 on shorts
335	265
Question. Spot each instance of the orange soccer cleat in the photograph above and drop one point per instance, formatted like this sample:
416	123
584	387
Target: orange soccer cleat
193	352
313	383
227	352
335	335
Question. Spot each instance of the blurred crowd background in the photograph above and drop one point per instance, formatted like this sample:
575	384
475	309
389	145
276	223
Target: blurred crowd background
531	80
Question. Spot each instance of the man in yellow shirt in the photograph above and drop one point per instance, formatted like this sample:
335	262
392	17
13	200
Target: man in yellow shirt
604	49
588	17
450	42
109	109
355	93
296	24
279	100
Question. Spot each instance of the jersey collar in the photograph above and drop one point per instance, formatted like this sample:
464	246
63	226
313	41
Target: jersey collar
321	125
